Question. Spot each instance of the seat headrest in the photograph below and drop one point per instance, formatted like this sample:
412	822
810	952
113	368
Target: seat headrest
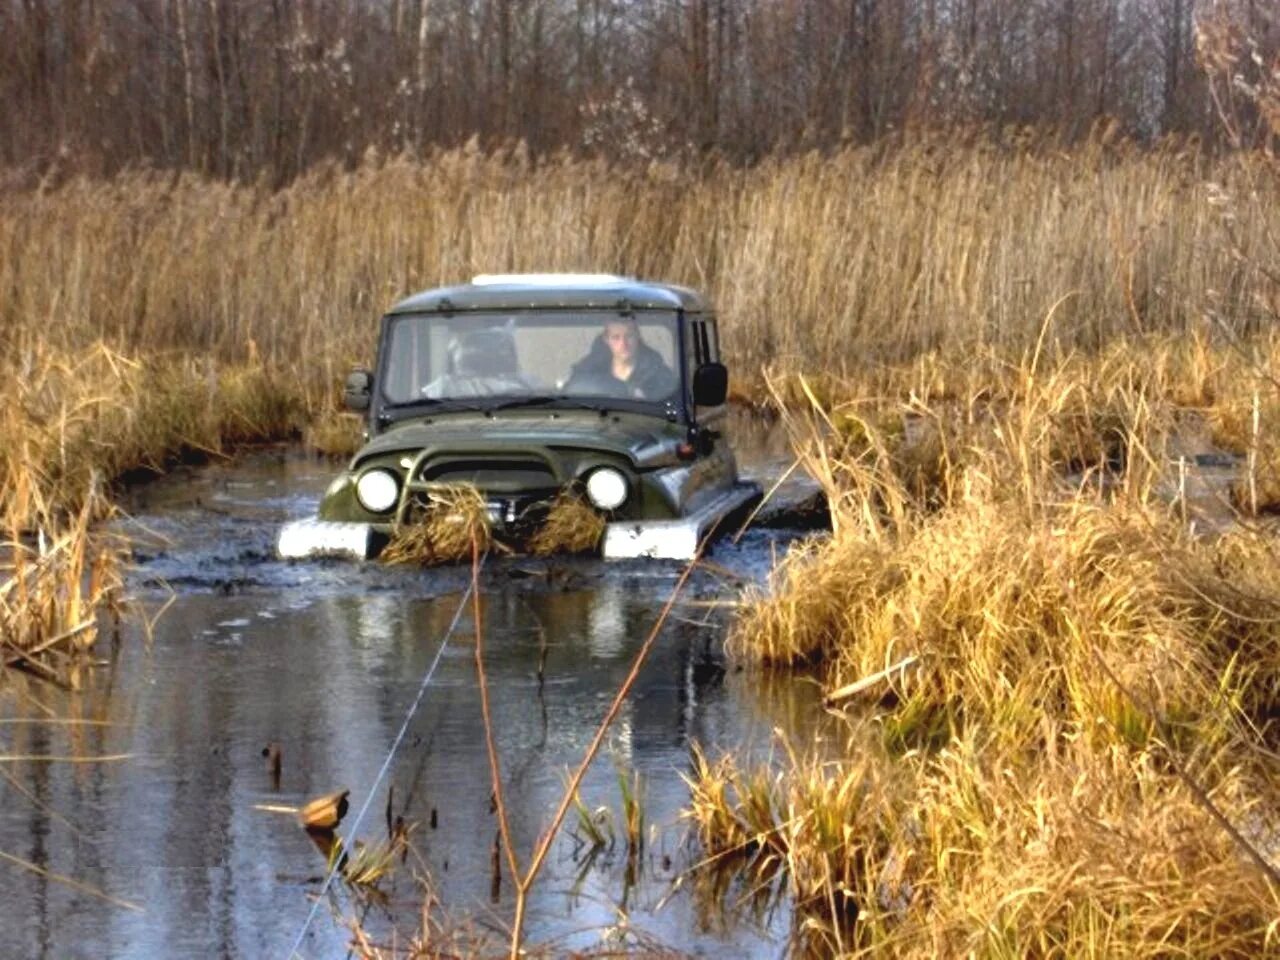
485	353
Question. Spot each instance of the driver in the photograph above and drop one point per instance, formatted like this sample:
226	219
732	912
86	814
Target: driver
620	364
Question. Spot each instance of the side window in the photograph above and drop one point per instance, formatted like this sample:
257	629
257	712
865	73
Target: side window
712	334
699	344
692	351
703	343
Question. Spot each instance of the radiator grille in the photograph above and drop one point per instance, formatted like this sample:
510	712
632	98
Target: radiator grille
503	475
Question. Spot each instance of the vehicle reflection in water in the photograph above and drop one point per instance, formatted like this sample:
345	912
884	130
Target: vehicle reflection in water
324	660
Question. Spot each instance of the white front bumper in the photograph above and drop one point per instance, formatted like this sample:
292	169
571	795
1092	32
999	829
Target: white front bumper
675	539
324	538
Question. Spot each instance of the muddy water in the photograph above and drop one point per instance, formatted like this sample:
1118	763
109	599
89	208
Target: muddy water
324	660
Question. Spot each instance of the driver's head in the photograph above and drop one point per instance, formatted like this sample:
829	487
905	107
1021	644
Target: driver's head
622	337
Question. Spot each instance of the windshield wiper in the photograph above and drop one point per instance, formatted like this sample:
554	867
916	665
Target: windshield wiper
443	404
549	399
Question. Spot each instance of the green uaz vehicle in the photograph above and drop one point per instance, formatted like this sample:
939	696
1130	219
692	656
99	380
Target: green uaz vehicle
529	385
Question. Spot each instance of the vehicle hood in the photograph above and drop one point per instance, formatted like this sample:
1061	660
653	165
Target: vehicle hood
645	441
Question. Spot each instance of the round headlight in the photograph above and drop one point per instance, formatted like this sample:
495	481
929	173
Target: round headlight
377	491
606	488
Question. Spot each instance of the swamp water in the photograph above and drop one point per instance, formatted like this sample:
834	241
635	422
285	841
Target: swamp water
323	660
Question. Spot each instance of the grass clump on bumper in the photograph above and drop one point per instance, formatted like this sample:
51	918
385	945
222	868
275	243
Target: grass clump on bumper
572	526
454	522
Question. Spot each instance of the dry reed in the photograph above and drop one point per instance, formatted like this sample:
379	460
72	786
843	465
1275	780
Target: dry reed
454	521
968	852
333	434
860	256
571	526
77	422
441	531
158	316
1092	685
54	592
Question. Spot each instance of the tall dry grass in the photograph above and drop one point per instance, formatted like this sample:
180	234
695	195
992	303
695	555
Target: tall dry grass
76	421
72	424
860	257
253	302
55	591
1066	744
963	852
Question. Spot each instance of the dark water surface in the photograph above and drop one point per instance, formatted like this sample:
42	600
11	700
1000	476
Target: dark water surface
325	659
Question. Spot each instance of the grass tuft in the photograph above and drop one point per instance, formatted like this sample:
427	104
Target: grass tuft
454	521
572	526
55	588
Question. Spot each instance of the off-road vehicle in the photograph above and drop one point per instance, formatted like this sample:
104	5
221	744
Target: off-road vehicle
526	386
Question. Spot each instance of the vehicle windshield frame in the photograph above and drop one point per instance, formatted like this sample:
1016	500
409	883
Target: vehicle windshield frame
671	408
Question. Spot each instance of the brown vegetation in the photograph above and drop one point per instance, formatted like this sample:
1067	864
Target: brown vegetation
859	257
572	526
450	526
148	316
1077	761
53	592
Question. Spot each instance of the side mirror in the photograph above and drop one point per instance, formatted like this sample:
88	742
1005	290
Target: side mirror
356	392
710	385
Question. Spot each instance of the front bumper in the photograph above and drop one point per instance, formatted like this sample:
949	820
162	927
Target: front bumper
302	539
677	539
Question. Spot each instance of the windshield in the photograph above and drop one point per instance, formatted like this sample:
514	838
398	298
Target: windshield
540	354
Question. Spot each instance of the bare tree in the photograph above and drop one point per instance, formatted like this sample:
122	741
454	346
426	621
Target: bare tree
238	87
